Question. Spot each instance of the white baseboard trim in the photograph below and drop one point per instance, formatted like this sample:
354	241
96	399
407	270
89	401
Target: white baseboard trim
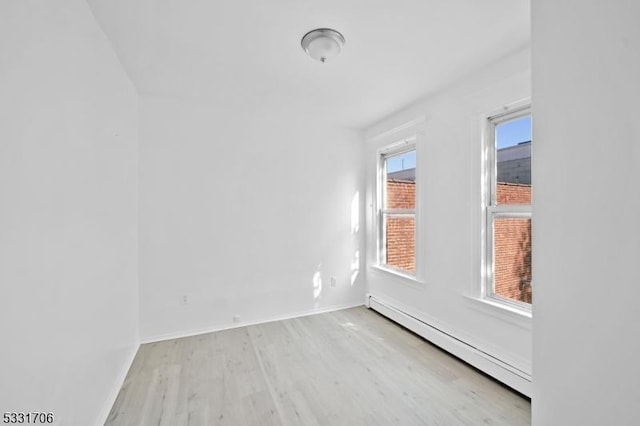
117	385
228	326
489	364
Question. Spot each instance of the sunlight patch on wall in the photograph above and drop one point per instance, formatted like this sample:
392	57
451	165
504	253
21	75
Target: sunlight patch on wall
355	266
317	282
355	227
355	213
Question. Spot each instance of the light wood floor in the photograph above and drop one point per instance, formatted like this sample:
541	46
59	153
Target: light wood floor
350	367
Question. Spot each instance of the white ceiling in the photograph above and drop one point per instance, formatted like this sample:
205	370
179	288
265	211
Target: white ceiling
247	53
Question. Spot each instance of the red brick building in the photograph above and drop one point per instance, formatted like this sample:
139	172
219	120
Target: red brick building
512	238
401	194
512	242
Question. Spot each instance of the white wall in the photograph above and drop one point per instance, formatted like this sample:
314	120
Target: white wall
449	216
240	209
586	231
68	189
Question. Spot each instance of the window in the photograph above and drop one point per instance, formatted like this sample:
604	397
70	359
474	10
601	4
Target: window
508	209
397	208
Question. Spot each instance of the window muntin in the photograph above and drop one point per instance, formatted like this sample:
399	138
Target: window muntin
397	209
508	211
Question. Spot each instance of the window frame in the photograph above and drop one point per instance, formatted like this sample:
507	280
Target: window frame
492	210
399	147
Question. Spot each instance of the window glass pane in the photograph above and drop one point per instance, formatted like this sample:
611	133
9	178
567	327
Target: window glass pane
513	161
400	231
401	181
512	258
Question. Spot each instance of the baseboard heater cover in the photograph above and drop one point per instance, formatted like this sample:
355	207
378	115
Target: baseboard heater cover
501	371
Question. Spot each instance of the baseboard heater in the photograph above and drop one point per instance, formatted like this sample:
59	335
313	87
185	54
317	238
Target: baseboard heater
489	364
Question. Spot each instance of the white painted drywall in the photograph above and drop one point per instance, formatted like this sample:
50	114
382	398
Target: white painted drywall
247	212
449	216
68	215
586	228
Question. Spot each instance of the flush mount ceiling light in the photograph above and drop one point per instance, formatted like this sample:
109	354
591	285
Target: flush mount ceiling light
322	43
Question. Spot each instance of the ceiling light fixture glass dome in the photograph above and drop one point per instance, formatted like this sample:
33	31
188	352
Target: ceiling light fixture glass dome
322	43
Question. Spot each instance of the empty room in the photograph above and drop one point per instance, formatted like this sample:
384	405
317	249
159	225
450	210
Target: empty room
295	212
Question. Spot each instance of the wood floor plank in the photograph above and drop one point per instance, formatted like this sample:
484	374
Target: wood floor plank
349	367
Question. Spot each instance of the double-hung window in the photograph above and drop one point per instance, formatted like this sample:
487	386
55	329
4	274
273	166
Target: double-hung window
397	208
508	209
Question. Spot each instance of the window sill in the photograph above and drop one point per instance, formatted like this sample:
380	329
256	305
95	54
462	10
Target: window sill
511	314
407	279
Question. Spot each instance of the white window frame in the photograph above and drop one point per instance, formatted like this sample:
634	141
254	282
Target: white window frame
492	210
397	148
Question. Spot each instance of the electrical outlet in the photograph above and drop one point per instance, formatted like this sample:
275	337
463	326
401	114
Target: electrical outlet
236	319
332	281
184	299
